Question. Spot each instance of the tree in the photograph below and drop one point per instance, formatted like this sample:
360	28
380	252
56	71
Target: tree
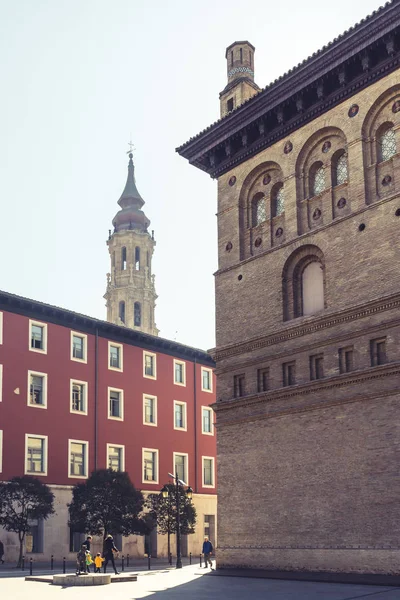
107	502
164	512
23	499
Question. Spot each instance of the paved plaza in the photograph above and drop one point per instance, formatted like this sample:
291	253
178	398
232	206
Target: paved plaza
194	583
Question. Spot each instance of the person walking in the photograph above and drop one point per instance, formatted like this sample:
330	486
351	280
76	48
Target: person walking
1	552
98	561
207	551
108	553
88	543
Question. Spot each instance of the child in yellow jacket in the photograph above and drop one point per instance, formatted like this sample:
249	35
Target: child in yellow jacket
98	561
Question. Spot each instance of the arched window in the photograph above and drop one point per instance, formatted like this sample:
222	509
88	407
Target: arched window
340	170
318	183
137	314
259	210
123	259
312	288
386	144
122	311
278	202
137	258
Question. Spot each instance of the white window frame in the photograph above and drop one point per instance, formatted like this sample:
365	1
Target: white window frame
84	337
146	353
186	473
1	328
212	458
45	453
121	392
121	355
155	410
86	464
211	421
44	326
1	450
122	455
180	362
86	387
210	391
44	375
184	404
146	481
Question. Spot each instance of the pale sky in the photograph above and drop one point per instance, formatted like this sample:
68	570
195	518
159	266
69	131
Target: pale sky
78	78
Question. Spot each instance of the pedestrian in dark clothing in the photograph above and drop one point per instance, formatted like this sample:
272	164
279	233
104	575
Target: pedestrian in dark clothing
108	553
1	552
207	551
88	543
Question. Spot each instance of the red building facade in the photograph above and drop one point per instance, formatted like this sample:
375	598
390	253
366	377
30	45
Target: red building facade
79	394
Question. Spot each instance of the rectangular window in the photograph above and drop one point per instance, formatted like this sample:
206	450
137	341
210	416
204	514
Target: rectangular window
76	540
206	420
78	452
78	347
34	537
149	365
209	526
289	373
239	385
79	396
149	410
179	372
115	357
378	352
208	471
179	415
181	467
37	336
150	465
206	379
262	380
316	366
37	389
116	457
229	105
346	359
115	404
35	454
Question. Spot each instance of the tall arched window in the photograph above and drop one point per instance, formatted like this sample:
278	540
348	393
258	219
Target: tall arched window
137	314
137	258
318	183
123	259
278	201
340	170
312	288
386	143
122	311
259	210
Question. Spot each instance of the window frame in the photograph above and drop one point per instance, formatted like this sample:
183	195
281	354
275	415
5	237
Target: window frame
342	359
84	337
374	356
121	399
155	410
316	362
86	387
184	404
44	438
209	391
147	481
122	448
186	468
33	322
210	410
44	392
286	371
206	485
154	355
183	363
119	369
86	461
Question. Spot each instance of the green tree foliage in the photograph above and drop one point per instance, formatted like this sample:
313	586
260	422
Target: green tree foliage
107	502
23	499
163	512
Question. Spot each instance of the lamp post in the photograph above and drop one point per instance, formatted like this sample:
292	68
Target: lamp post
189	494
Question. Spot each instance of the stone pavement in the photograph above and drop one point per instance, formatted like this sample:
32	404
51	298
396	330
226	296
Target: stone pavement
194	583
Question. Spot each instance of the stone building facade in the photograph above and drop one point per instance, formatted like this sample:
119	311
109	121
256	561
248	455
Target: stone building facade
308	310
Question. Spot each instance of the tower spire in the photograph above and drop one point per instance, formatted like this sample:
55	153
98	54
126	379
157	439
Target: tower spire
131	216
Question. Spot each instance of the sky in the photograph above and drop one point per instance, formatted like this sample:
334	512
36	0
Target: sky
79	79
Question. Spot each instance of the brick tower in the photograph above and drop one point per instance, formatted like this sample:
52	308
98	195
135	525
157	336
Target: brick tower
240	69
130	295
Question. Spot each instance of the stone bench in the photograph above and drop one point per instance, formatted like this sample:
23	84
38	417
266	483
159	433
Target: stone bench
70	580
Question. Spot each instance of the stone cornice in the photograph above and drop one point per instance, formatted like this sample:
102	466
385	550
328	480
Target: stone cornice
309	325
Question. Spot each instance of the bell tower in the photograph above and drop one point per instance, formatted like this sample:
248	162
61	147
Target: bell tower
240	69
130	295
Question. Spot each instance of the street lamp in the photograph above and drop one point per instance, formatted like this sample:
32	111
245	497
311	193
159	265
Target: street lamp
189	494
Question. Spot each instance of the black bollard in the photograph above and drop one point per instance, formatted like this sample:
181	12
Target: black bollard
30	566
64	565
127	560
123	563
201	564
148	562
190	558
52	562
23	564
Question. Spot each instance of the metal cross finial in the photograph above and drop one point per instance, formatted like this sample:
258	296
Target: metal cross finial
131	147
